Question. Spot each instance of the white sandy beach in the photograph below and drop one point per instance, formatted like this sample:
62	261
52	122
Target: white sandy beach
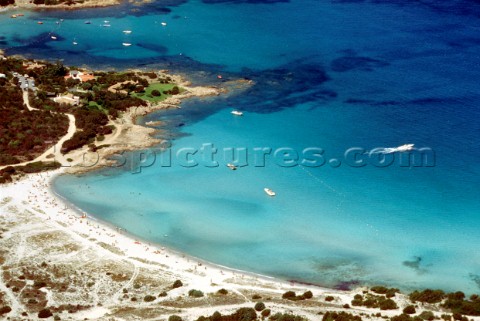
33	196
86	248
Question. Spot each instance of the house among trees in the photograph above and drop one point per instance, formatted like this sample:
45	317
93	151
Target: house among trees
69	99
78	75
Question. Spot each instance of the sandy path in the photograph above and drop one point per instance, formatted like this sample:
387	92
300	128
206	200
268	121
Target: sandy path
54	152
26	101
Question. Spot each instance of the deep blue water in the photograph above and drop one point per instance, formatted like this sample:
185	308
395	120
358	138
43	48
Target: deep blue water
328	74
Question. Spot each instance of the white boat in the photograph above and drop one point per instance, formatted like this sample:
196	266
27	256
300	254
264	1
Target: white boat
269	192
231	166
53	37
106	21
237	113
163	23
105	25
127	31
405	148
75	43
126	44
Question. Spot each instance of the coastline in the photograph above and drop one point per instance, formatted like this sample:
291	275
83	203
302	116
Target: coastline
128	135
29	202
30	207
26	5
45	235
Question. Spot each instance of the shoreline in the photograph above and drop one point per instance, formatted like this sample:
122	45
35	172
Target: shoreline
130	136
26	5
35	194
166	249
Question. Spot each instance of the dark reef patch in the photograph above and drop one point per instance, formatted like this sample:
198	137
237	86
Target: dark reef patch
286	86
415	264
348	63
347	285
475	278
161	50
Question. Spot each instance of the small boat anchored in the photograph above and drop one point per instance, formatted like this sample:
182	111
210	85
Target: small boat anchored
231	166
269	192
237	113
127	32
53	37
126	44
399	149
75	43
405	147
163	24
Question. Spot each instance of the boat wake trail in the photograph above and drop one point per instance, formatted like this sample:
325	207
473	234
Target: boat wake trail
399	149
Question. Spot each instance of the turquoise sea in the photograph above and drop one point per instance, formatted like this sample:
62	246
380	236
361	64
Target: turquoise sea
333	75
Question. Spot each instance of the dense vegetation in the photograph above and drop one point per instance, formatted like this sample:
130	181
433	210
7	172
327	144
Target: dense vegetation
23	133
4	3
374	301
242	314
340	316
35	167
292	296
427	296
26	134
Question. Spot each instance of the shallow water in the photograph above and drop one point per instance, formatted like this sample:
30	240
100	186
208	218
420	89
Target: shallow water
332	75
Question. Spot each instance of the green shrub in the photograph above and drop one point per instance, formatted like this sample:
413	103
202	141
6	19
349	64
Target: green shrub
286	317
329	298
427	296
45	313
177	284
244	314
289	295
216	316
156	93
163	294
174	318
457	304
259	306
388	292
427	315
266	313
409	310
256	297
5	310
457	316
402	317
308	295
387	304
149	298
222	291
195	293
340	316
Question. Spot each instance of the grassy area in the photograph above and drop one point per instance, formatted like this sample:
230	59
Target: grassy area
94	104
147	95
